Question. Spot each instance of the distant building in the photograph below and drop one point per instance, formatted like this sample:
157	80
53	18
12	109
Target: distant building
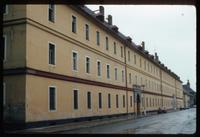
189	96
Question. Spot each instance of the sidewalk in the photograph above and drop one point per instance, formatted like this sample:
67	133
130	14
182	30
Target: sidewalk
78	125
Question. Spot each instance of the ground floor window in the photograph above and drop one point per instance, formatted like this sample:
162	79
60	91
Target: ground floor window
75	99
52	98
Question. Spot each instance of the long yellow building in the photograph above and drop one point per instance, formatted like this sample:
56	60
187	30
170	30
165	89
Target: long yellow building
65	62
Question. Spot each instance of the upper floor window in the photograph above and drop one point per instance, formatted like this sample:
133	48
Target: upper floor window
86	32
98	37
4	47
140	62
115	73
74	24
107	46
5	9
145	65
115	48
98	68
51	12
129	58
121	51
87	60
51	54
122	75
74	60
129	78
108	71
135	59
52	98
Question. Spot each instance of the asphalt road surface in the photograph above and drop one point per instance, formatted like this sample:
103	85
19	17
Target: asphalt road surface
179	122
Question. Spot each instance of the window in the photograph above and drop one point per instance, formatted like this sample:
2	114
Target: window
86	32
115	73
51	12
87	64
145	64
5	9
89	100
108	71
121	51
115	49
100	100
4	47
148	66
140	62
107	46
98	68
74	24
131	101
135	59
128	55
4	93
98	38
52	98
147	102
123	100
109	101
117	102
136	80
75	99
51	54
74	60
129	78
122	75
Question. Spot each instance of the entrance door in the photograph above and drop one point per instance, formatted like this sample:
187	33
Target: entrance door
138	104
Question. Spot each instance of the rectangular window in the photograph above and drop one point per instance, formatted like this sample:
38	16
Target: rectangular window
121	51
86	32
87	61
129	56
51	12
4	47
122	75
108	71
115	73
52	98
124	101
75	99
129	78
100	100
73	24
140	62
145	65
117	102
148	66
147	102
51	54
5	9
74	60
135	59
4	93
109	101
89	100
107	46
131	101
98	37
98	68
115	48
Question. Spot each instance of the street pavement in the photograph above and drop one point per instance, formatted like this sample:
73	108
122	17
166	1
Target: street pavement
179	122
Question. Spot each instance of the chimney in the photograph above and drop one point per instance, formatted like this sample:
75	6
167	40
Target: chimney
143	45
100	15
156	56
188	83
101	9
109	19
129	39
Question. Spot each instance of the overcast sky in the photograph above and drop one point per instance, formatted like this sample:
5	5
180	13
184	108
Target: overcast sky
168	30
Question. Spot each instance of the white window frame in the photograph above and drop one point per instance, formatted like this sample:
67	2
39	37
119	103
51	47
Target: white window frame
4	93
73	51
100	68
49	99
73	99
6	6
86	65
54	14
107	71
76	32
5	47
48	53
